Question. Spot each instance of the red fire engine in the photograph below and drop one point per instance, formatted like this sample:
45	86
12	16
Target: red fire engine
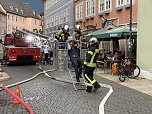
17	49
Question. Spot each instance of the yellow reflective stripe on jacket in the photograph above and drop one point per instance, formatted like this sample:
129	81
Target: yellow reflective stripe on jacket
91	64
92	82
88	84
85	63
90	52
97	50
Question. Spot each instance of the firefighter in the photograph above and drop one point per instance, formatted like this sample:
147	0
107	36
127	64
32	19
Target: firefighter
77	35
74	53
62	36
90	64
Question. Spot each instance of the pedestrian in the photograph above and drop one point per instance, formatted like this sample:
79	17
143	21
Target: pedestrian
74	53
90	65
51	57
46	54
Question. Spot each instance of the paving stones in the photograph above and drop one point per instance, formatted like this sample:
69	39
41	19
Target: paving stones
47	96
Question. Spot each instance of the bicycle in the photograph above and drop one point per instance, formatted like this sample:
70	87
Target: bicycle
127	69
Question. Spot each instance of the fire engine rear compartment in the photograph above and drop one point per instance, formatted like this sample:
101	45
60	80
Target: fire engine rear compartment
23	54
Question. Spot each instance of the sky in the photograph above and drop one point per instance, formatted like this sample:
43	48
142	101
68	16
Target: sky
37	5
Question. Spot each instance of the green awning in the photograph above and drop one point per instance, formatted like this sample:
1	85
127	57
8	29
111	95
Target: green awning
88	36
117	33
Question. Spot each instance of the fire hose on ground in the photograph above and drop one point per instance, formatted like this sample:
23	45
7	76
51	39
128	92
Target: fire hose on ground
101	106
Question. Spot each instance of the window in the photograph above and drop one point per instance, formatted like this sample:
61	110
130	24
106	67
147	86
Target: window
12	17
127	2
51	21
11	7
108	5
48	4
90	8
16	9
120	3
61	17
104	6
67	14
16	18
101	6
79	11
87	8
21	11
33	12
64	16
54	20
9	27
46	24
9	17
57	20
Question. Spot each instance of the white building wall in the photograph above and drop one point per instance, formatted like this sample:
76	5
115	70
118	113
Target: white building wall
144	40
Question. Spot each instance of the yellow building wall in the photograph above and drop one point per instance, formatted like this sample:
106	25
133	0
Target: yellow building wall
144	42
21	22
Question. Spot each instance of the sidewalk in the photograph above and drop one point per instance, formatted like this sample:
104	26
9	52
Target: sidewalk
139	84
3	76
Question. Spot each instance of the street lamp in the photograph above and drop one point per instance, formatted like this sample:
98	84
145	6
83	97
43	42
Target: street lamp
130	37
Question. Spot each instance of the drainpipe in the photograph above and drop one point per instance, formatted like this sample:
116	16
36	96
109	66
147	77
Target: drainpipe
130	37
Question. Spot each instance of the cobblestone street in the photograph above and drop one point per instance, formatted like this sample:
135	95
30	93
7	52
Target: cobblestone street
47	96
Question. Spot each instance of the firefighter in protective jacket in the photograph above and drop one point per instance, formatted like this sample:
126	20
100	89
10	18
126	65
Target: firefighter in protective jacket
90	64
78	34
63	34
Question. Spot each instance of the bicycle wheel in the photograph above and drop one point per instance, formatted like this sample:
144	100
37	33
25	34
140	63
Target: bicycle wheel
121	75
133	71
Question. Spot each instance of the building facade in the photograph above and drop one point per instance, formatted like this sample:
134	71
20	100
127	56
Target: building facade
90	14
58	13
2	21
19	16
144	39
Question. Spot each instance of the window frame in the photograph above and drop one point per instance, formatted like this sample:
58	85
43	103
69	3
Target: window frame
109	5
90	8
101	7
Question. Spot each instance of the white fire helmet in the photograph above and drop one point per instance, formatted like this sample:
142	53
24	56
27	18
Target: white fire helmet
66	27
77	26
93	40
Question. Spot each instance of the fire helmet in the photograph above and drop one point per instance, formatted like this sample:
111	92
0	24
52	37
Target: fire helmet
78	27
66	27
93	40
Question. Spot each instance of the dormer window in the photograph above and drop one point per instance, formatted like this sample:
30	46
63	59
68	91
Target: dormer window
33	12
21	11
11	7
16	9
